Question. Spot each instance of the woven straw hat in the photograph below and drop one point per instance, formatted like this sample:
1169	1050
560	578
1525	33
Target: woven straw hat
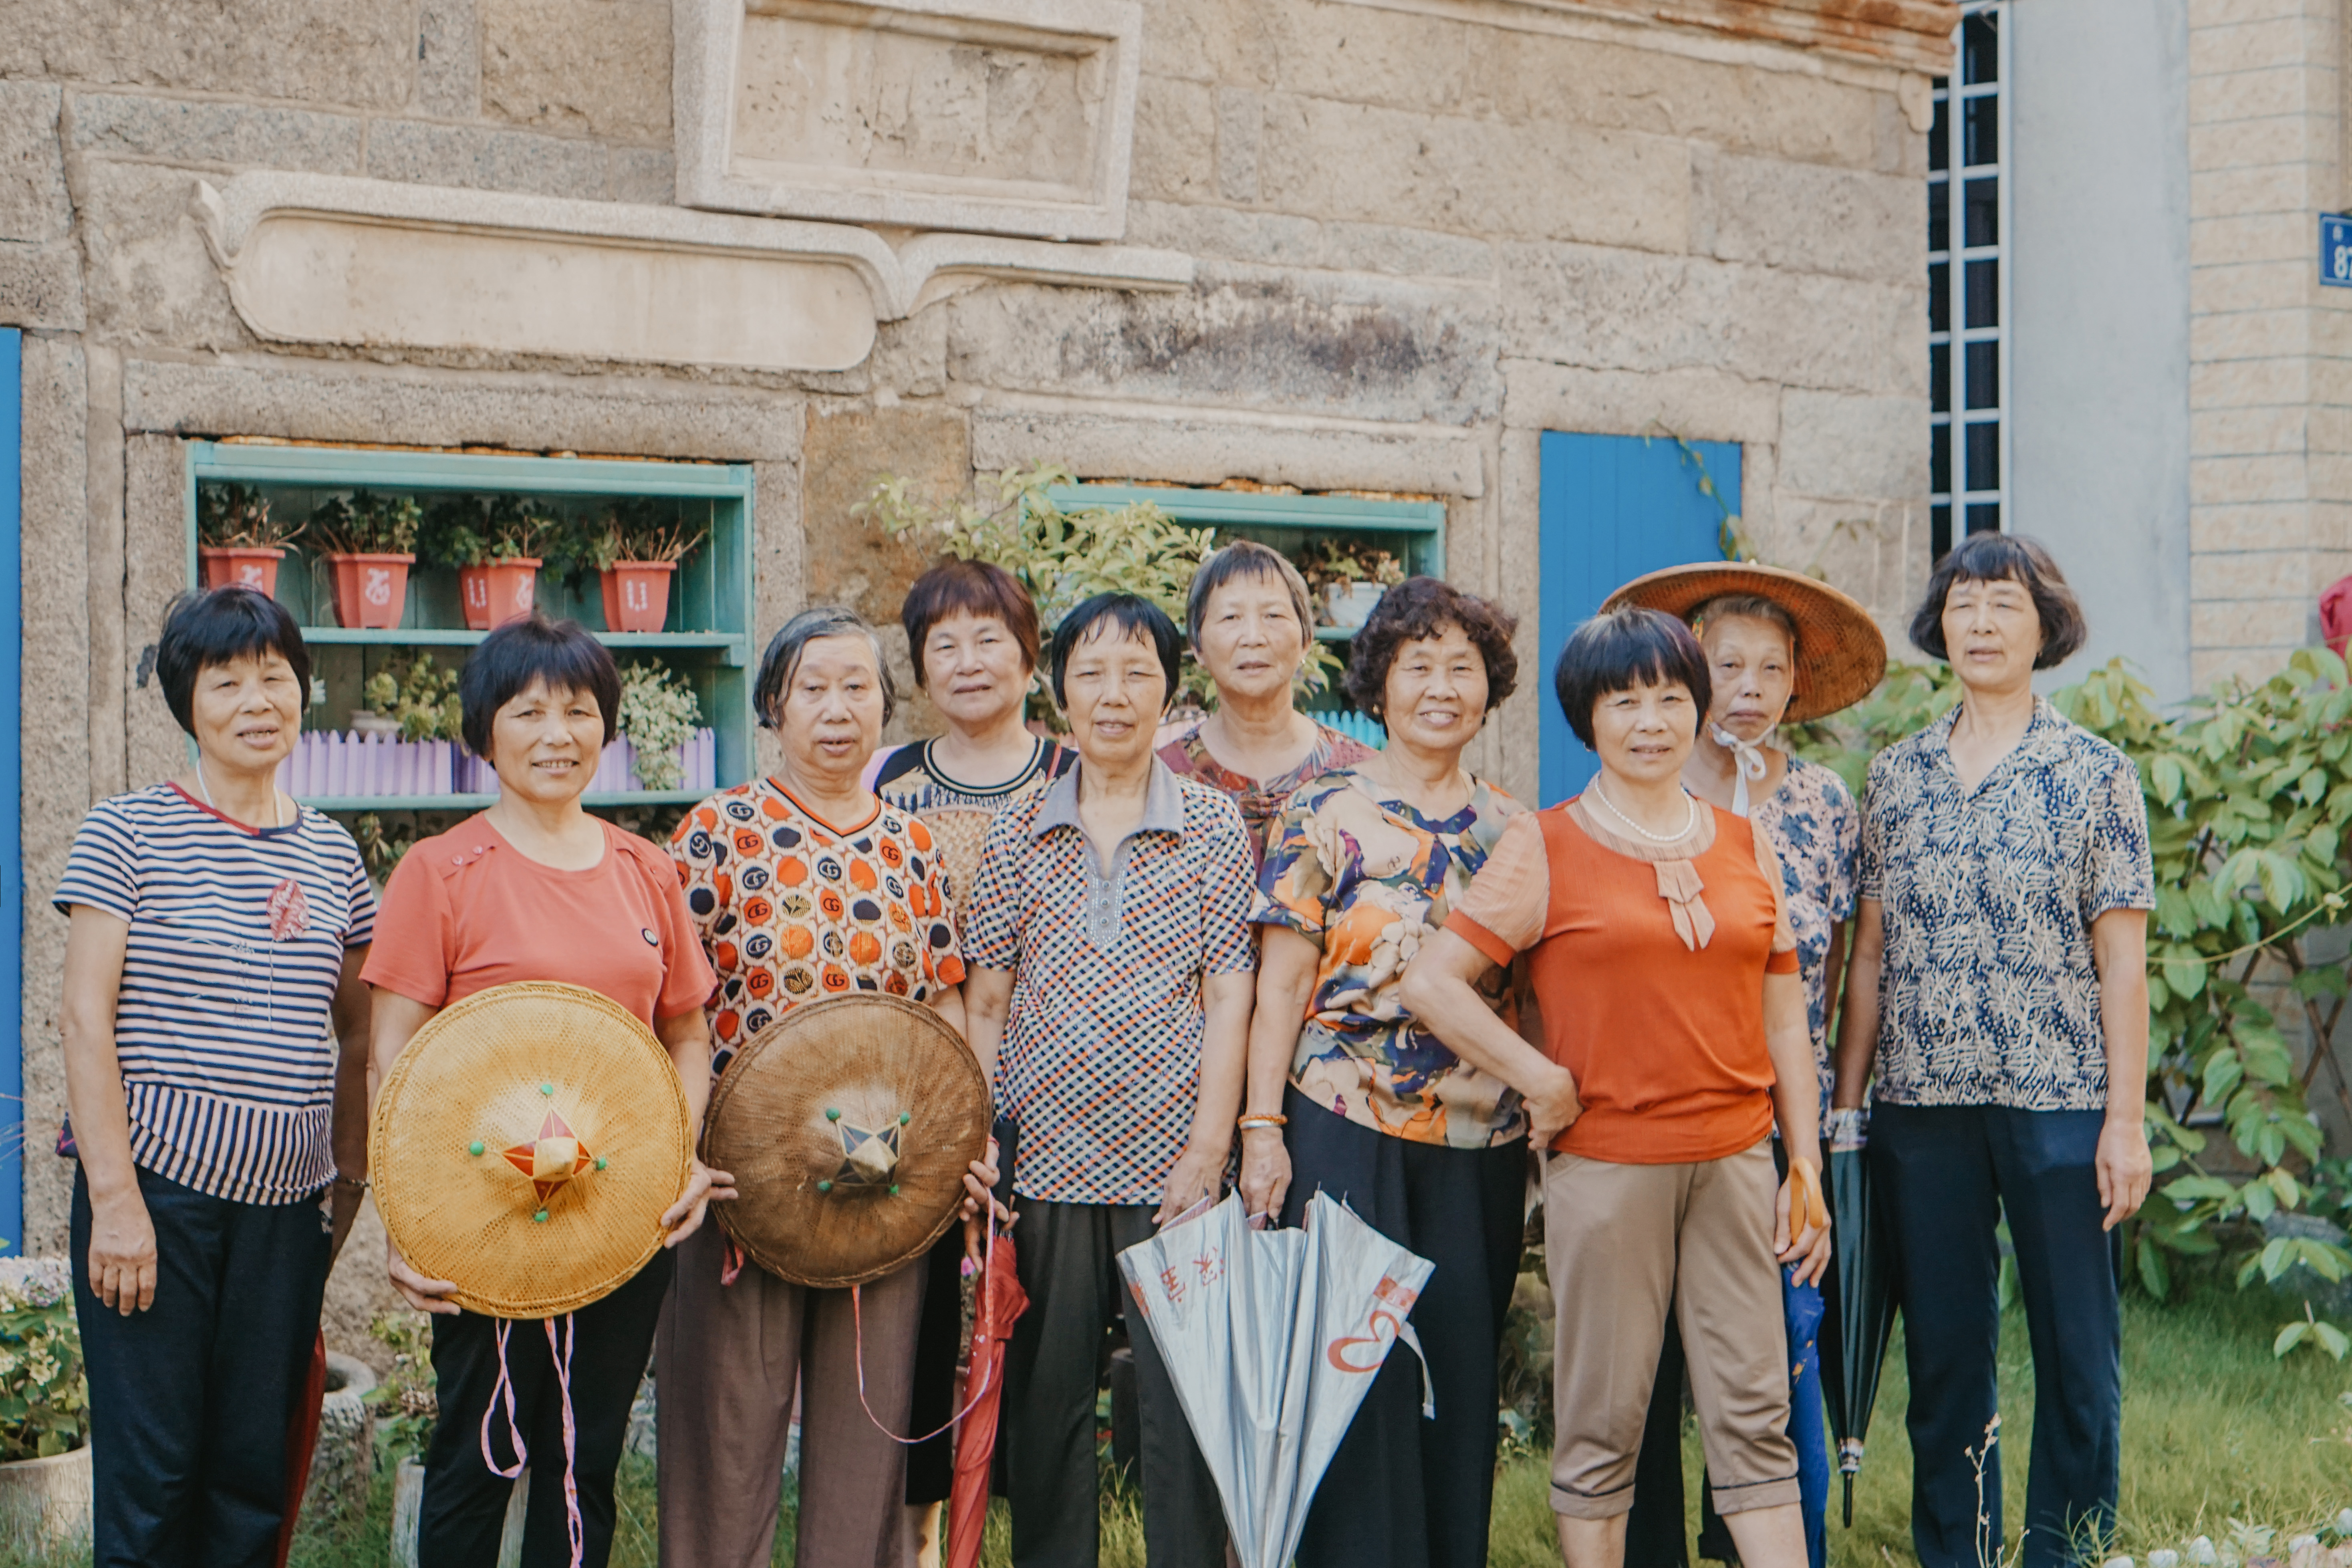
847	1124
526	1145
1841	655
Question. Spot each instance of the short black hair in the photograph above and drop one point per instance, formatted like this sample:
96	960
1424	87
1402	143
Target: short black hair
2004	557
1128	613
791	642
563	654
1415	610
1619	650
204	630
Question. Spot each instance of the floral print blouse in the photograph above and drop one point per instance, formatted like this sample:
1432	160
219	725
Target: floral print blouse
1261	800
1988	994
1367	880
1812	826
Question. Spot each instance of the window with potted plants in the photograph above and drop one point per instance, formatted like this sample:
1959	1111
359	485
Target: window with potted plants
397	563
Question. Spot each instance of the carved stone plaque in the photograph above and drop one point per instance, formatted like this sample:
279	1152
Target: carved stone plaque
988	116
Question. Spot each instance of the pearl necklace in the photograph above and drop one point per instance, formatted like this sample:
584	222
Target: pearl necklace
1690	817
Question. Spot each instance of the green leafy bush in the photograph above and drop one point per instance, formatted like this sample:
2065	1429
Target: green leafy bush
367	523
236	517
406	1398
658	714
421	695
44	1397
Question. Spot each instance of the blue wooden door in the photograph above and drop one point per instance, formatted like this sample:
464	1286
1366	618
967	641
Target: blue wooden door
12	859
1611	507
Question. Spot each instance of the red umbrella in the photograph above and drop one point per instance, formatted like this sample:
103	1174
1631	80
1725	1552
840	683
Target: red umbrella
301	1438
1002	1300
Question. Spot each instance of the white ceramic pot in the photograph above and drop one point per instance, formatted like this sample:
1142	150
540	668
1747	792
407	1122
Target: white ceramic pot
343	1459
1352	602
45	1503
407	1506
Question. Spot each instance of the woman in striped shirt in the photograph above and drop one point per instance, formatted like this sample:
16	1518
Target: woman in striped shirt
215	1049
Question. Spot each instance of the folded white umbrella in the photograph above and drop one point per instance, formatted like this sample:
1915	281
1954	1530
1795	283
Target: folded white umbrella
1272	1337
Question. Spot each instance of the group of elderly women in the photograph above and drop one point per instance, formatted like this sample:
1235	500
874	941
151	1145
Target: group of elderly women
1253	950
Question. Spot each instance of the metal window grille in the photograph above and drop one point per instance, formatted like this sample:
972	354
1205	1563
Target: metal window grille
1967	282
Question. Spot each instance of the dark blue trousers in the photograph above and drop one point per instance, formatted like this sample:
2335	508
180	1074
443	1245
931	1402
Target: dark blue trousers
1945	1176
189	1399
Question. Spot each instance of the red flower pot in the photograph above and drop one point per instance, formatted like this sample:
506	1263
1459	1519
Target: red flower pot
499	592
636	595
370	590
225	565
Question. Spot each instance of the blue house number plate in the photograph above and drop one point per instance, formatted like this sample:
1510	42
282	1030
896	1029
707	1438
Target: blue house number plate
2336	250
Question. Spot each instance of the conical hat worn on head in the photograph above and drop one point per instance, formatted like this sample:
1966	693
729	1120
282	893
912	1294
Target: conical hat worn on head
526	1144
847	1125
1840	654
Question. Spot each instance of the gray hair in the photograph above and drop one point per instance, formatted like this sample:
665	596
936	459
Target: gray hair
1746	607
782	659
1245	558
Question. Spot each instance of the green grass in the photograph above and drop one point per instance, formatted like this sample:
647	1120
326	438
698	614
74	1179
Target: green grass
2214	1429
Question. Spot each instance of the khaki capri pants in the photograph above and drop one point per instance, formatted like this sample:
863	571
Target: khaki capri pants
1626	1243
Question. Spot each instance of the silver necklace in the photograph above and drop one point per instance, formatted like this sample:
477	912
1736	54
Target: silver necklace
205	790
1690	817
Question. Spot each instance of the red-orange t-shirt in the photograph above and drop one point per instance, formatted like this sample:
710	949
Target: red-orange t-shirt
467	910
1658	1011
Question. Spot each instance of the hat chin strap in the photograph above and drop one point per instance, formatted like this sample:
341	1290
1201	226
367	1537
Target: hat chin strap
1747	763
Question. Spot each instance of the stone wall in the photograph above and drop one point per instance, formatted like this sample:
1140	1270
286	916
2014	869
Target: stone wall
1423	232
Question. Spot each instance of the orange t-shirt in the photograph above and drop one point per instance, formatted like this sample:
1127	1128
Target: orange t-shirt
1665	1035
467	910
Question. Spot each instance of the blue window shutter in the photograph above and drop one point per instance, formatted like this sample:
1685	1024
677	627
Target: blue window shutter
1611	507
12	858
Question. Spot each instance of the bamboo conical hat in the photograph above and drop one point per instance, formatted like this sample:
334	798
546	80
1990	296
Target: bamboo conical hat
847	1125
526	1144
1840	654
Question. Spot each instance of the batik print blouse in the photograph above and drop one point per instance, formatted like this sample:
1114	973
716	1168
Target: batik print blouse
1987	994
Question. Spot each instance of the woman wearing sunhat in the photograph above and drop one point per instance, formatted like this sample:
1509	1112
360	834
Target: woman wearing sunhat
1780	649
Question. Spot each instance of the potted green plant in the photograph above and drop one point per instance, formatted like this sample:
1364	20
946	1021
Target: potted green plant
45	1477
369	543
415	701
493	545
657	717
635	554
236	541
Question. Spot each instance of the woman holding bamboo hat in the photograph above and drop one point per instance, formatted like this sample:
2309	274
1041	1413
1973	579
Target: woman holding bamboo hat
1781	647
535	889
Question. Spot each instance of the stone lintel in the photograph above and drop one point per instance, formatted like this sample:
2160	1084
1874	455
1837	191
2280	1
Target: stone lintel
332	259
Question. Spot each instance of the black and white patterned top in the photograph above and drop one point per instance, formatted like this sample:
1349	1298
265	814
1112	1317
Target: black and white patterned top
1989	994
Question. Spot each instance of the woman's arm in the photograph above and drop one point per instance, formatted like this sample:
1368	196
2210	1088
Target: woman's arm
353	1012
1440	988
987	1002
1858	1015
980	1181
122	1236
1288	962
395	1020
2119	948
1801	1233
687	1038
1200	1171
1832	983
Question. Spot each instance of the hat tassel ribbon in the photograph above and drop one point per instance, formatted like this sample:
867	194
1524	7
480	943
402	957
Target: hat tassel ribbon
559	1350
857	1317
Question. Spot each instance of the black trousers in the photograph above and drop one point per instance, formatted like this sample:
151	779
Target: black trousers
939	1345
465	1504
1069	1266
189	1400
1402	1490
1946	1175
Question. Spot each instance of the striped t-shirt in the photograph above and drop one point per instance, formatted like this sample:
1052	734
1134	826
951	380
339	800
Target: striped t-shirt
223	1025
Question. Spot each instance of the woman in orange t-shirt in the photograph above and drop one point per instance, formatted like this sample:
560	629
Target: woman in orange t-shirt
536	889
1674	1029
